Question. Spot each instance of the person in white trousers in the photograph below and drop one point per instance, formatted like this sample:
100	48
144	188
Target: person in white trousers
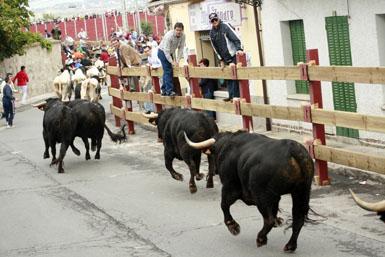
22	80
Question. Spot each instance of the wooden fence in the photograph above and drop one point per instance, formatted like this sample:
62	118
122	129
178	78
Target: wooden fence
311	113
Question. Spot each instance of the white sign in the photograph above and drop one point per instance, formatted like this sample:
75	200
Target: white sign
227	11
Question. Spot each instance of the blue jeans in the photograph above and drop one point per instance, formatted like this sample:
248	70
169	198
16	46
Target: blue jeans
147	105
233	85
209	95
9	111
167	85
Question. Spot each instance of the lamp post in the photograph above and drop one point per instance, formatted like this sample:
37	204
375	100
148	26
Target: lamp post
137	11
124	15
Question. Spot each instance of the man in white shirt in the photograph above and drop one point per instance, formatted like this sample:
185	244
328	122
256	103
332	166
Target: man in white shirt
82	34
152	55
152	43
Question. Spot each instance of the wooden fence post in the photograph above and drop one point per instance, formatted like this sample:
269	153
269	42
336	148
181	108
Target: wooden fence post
117	102
245	93
128	103
194	82
315	91
156	85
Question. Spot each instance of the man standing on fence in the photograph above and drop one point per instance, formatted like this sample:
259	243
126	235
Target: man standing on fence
127	57
171	41
226	45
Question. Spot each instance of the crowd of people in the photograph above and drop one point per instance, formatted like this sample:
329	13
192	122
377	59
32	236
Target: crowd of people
111	13
127	47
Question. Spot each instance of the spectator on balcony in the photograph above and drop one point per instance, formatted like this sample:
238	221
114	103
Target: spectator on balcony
82	34
56	32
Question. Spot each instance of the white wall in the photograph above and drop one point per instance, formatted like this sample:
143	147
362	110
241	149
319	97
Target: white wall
41	66
367	38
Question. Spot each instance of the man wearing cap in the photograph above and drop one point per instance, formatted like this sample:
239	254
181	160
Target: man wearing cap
127	57
226	45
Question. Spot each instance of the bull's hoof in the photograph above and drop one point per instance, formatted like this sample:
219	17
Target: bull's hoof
76	151
88	156
97	156
261	241
93	148
177	176
61	170
278	222
289	248
54	161
210	183
233	227
199	176
193	188
46	156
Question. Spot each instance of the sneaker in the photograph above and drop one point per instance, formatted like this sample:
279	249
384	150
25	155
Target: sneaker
147	112
8	126
163	94
226	99
172	94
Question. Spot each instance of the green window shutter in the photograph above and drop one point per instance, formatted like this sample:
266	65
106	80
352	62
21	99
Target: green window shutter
298	46
344	98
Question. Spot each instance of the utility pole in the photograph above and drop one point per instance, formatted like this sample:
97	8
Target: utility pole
137	11
124	15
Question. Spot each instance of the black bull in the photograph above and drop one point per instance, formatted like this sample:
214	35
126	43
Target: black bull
91	119
62	122
199	126
59	126
258	170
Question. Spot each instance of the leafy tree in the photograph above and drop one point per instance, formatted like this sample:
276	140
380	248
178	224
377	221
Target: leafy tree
48	16
13	17
146	27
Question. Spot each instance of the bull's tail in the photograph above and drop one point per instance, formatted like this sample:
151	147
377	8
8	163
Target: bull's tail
117	137
306	164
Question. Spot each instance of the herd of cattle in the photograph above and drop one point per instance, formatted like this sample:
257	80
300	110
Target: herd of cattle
252	167
85	82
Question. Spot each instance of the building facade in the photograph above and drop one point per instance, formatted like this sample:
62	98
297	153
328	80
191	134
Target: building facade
345	32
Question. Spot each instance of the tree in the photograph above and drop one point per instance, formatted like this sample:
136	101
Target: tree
48	16
146	27
14	16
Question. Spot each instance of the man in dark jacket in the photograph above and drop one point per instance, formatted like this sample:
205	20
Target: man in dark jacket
226	45
208	86
56	32
8	103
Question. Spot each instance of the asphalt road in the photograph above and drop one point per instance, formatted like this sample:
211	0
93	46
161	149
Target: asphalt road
127	204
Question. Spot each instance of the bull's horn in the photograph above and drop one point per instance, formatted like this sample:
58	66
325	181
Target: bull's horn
199	145
39	104
152	115
378	207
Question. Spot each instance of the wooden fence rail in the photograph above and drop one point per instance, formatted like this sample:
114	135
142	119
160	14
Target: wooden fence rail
369	75
311	114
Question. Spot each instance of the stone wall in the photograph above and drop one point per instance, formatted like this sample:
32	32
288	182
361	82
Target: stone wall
41	66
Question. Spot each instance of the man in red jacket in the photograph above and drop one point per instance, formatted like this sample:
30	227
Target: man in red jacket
22	79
